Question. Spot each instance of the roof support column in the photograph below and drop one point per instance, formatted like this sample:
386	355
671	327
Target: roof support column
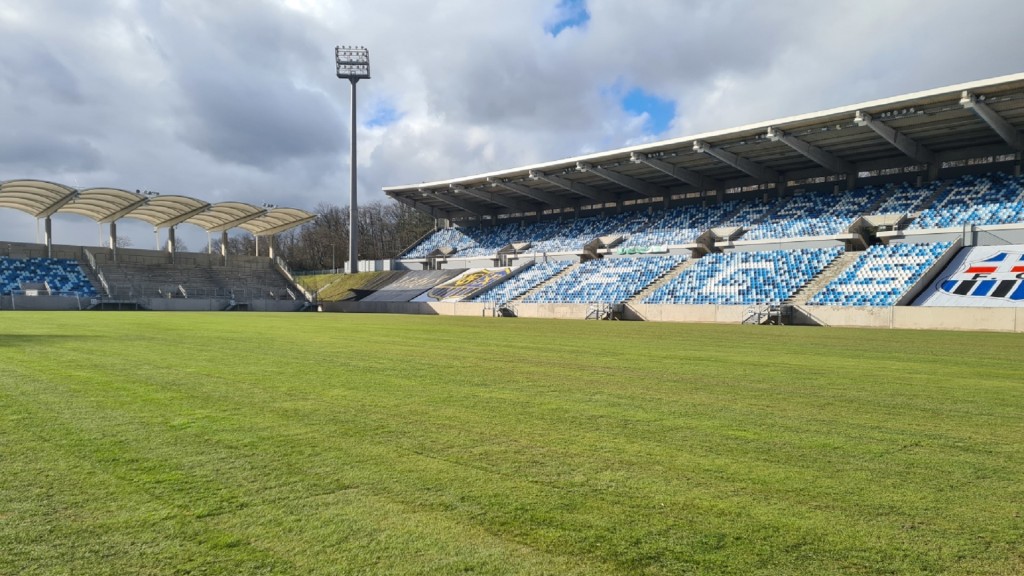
491	197
627	182
539	195
762	173
678	172
580	188
224	246
901	141
48	236
1005	130
353	268
113	239
819	156
171	241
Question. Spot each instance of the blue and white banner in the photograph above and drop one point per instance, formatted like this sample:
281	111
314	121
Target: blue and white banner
984	276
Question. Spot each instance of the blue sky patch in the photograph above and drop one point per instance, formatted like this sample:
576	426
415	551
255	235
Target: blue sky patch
570	14
384	114
660	112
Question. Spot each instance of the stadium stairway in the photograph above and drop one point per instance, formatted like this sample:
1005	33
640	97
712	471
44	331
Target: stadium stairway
798	301
662	281
93	277
929	201
873	209
541	286
821	279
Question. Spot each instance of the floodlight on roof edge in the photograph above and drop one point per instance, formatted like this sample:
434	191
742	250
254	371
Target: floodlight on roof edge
353	64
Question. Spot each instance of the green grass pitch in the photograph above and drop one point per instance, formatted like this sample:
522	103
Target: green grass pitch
244	443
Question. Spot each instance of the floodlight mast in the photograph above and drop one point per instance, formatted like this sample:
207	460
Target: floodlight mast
353	65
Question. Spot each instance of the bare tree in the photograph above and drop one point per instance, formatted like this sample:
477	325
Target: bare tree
386	228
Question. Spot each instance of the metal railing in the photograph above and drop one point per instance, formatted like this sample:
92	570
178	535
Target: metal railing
96	270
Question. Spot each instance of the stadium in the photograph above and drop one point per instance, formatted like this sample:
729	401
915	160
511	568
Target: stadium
906	212
805	360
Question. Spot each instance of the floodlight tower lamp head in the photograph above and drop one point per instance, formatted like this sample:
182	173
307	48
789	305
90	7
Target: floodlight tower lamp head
353	62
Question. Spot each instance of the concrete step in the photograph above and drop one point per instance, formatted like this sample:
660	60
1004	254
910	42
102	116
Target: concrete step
831	272
664	279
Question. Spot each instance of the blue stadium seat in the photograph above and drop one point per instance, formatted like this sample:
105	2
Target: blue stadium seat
745	278
606	281
881	275
982	200
522	282
63	276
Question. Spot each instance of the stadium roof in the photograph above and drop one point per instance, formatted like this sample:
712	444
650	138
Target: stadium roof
35	197
276	221
42	199
925	129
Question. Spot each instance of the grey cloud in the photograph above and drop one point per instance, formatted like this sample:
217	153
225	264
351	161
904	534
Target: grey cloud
237	99
24	153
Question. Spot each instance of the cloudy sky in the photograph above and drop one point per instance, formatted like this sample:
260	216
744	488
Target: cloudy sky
237	99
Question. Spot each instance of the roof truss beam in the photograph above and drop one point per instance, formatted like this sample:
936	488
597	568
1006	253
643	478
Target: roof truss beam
509	203
628	182
425	208
182	217
124	211
284	227
901	141
539	195
1005	130
762	173
52	209
817	155
577	187
468	206
237	222
688	176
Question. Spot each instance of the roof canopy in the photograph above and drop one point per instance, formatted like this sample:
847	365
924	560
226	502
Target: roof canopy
276	221
42	199
922	129
36	197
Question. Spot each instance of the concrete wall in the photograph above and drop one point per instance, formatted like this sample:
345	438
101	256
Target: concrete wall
902	317
915	317
130	255
216	304
685	313
21	302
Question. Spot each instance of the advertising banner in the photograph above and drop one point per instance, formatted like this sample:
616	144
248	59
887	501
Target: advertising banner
983	276
464	285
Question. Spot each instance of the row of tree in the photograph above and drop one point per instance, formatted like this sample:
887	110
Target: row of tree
386	228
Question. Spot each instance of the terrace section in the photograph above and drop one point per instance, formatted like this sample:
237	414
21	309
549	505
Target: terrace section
46	276
524	281
745	278
881	276
811	214
988	200
243	281
605	281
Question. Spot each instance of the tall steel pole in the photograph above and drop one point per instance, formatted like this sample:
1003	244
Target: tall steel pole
353	64
353	211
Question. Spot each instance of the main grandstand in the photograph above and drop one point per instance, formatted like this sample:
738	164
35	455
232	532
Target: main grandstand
876	214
